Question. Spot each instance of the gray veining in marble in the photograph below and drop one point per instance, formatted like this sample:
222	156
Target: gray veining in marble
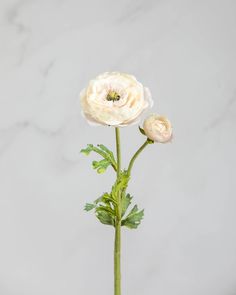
185	52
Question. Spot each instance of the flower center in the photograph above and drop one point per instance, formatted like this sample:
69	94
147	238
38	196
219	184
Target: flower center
112	96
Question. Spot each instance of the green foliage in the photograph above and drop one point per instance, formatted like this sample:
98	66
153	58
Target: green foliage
87	150
101	166
105	209
125	202
105	215
107	151
115	204
89	207
102	150
134	218
120	184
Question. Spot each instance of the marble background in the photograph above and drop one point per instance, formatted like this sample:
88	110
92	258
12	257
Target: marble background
185	52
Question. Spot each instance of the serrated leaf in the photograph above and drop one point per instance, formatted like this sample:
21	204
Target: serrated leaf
107	199
101	166
103	197
102	150
141	130
87	150
104	216
108	155
106	208
134	218
105	149
98	200
120	185
103	203
125	202
89	206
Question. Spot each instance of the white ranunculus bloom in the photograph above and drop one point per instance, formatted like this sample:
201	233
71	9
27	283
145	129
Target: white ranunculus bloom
115	99
158	128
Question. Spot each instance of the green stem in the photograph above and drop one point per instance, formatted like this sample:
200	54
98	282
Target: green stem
131	163
117	272
118	150
117	246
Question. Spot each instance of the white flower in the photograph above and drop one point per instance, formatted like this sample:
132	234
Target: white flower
115	99
158	128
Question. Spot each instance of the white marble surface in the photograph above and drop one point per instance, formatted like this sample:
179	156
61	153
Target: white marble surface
184	51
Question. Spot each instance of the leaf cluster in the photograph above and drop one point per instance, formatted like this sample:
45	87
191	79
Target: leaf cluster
107	208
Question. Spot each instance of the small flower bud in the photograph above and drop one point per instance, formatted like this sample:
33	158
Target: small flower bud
158	128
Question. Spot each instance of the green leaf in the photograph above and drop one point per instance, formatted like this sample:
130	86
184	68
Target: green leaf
102	150
105	149
104	203
134	218
98	200
134	210
120	185
125	202
89	206
87	150
105	216
141	130
106	208
107	199
100	166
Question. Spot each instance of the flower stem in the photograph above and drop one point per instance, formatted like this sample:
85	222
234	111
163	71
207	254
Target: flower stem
117	246
131	163
118	150
117	272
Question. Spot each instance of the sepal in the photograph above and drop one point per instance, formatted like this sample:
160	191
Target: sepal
150	141
141	130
